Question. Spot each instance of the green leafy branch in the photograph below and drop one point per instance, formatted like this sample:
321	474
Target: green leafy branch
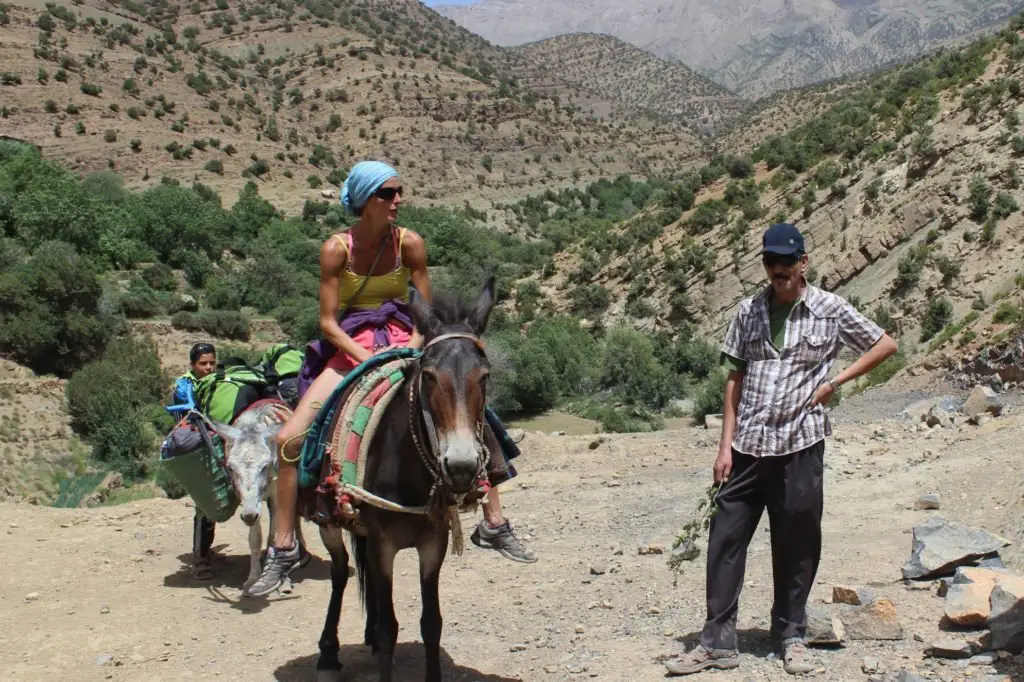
685	548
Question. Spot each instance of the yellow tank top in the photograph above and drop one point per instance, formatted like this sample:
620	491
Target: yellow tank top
381	288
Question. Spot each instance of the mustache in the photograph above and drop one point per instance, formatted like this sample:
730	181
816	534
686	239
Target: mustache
779	278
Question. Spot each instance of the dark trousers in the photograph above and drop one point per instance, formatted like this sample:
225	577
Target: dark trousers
202	536
790	487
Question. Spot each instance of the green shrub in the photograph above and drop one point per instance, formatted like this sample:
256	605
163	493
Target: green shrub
1008	312
214	166
299	319
632	371
709	396
159	276
225	324
91	89
590	300
140	302
114	405
938	315
980	192
49	311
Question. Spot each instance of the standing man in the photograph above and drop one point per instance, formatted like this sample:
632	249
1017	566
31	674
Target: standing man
779	349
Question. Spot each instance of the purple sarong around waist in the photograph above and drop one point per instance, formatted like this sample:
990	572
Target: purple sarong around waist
320	352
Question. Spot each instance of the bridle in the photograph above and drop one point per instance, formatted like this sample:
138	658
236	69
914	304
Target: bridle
426	445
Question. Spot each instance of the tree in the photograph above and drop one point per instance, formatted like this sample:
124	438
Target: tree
49	311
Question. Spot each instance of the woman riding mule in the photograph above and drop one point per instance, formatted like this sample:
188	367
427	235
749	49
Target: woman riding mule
364	278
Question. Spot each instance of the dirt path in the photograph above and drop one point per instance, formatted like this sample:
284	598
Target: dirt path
111	598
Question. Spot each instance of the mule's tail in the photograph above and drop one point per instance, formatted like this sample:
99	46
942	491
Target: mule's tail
362	561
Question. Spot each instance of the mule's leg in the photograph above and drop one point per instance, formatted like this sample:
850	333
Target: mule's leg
369	594
328	667
432	552
255	547
382	567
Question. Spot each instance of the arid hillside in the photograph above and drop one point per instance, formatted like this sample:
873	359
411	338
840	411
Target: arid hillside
603	70
293	94
907	186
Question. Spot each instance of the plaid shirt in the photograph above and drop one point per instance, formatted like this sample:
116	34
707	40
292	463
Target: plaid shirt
773	418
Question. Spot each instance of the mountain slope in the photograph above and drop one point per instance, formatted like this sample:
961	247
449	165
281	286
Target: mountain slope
294	94
752	48
908	188
636	83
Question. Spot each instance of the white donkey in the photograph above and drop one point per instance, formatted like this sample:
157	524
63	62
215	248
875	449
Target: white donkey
251	453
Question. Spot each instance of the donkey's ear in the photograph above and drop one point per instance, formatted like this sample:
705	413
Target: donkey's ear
422	313
482	310
227	432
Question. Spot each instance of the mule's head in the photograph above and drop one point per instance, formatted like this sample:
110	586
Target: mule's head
454	375
251	454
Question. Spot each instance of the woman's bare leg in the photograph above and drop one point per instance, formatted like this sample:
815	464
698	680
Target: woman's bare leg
284	553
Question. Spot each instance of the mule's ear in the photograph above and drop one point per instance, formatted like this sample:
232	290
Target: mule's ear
422	313
227	432
482	310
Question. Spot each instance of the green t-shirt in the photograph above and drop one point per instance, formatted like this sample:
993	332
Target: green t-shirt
778	313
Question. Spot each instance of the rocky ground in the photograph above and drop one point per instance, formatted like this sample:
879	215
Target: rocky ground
105	593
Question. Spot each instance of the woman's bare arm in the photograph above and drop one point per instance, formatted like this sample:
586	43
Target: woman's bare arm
333	256
414	256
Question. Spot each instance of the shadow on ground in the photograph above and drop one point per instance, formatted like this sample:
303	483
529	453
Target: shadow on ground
231	571
358	665
753	642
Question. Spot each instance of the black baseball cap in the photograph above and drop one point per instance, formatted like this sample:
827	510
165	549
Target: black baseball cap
783	239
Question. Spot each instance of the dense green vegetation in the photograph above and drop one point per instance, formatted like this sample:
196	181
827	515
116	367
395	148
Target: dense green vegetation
82	256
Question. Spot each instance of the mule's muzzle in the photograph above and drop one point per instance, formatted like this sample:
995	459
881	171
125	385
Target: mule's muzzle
249	518
460	465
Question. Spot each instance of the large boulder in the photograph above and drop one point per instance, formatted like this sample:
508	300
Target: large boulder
983	399
940	545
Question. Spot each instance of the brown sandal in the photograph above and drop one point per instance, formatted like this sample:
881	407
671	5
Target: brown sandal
699	658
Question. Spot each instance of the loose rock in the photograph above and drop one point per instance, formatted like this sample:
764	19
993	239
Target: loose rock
875	621
983	399
854	596
927	501
949	647
713	422
32	596
823	628
908	676
938	417
650	549
871	665
1007	619
940	545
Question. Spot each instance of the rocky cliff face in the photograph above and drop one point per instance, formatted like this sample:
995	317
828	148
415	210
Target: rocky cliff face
752	48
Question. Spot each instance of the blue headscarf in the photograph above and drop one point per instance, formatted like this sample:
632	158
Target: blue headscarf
363	180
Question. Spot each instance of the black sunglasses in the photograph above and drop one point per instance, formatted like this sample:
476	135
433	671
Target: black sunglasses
388	193
772	259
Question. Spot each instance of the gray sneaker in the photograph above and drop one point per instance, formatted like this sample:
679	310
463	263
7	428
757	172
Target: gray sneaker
503	539
280	562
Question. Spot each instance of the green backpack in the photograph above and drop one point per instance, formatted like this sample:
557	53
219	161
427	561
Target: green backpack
225	393
281	361
281	364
